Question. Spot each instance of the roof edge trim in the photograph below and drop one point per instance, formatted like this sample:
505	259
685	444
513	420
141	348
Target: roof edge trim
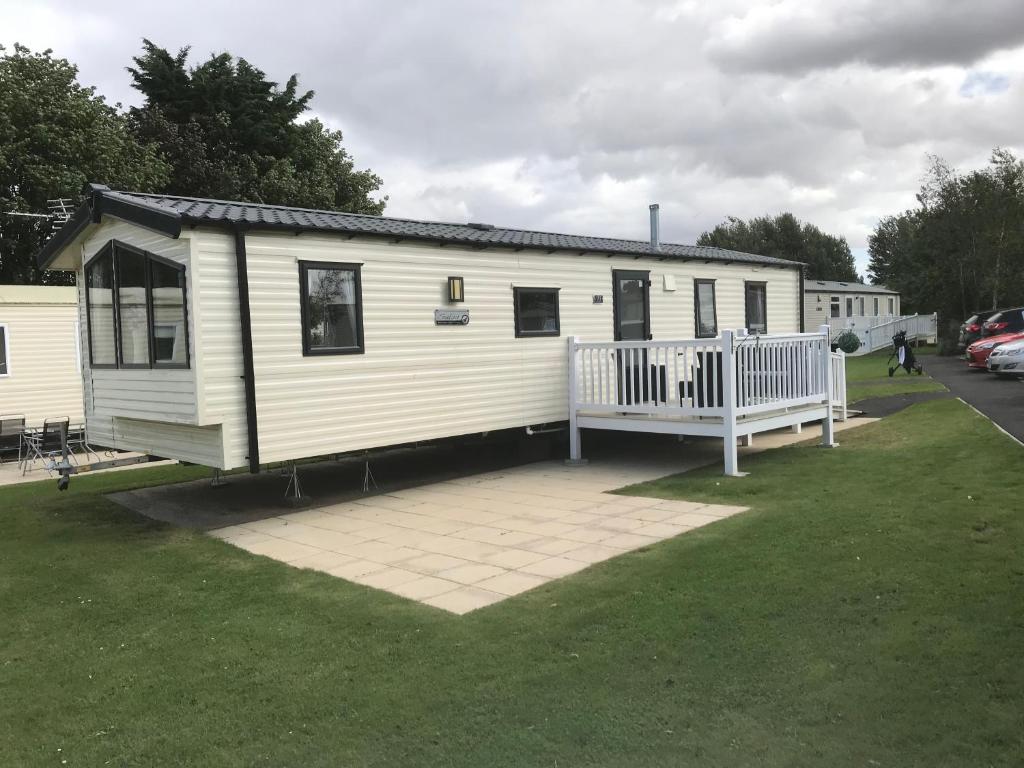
99	204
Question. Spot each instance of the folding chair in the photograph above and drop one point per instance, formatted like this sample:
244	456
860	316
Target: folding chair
47	442
11	429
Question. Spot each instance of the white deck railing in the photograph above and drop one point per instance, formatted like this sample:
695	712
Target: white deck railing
879	335
731	385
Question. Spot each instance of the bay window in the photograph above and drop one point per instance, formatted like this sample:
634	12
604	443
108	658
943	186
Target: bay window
135	306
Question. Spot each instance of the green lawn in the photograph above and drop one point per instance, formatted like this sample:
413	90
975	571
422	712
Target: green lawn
868	611
868	376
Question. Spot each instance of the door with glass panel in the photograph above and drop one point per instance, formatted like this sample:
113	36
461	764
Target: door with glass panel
631	299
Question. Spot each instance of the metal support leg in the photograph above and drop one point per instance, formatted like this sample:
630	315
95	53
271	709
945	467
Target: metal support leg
217	481
797	429
293	493
368	478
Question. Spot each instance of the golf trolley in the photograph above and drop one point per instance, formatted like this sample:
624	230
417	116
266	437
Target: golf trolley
904	355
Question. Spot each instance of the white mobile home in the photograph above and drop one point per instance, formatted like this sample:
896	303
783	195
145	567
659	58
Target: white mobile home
848	304
40	366
232	334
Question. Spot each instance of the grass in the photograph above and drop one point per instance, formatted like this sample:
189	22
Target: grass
866	612
868	376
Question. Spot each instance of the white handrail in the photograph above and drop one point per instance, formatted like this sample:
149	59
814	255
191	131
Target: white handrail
730	380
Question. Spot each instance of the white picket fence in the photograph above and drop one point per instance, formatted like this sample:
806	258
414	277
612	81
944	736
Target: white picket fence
729	386
879	334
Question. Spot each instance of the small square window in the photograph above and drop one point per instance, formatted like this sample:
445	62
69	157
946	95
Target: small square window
332	308
536	311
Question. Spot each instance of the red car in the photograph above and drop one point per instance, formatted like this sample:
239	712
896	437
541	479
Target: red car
977	354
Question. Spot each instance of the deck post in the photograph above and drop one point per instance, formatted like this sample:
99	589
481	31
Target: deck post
729	429
575	452
827	430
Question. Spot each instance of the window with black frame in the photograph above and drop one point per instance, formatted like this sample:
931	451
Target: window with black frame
332	308
99	297
706	316
756	307
536	312
170	334
135	308
5	365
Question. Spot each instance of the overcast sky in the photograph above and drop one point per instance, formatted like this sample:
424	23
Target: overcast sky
572	116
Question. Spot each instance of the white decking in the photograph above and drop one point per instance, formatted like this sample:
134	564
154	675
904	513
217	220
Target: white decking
731	387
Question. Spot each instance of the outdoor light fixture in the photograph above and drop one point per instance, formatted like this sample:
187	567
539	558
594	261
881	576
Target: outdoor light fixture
455	290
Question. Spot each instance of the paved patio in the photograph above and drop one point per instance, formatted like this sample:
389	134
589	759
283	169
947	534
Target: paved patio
463	544
453	529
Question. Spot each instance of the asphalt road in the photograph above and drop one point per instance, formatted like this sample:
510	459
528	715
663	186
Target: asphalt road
1002	400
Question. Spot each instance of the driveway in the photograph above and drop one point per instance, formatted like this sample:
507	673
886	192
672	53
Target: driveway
1002	400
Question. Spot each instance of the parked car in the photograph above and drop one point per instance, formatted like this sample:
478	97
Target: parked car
971	328
1006	321
1007	359
978	352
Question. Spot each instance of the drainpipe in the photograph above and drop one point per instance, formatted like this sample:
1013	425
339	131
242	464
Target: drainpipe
248	368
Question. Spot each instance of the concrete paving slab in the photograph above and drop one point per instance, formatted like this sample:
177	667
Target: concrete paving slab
464	542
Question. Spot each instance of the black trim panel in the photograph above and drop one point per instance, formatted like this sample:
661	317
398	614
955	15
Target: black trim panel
248	365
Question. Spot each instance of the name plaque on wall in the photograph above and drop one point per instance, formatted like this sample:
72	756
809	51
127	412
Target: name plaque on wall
451	317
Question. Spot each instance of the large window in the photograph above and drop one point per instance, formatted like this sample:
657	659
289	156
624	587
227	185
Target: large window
892	305
132	312
706	317
99	297
135	305
536	311
757	307
170	337
834	306
5	355
876	306
332	308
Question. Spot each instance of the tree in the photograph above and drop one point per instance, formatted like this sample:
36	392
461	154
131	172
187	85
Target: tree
962	249
55	135
827	257
230	133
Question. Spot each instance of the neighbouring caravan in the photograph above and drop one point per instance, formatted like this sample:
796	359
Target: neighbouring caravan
848	304
40	365
234	335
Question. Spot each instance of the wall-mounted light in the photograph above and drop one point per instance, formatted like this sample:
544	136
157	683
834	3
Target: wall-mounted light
455	290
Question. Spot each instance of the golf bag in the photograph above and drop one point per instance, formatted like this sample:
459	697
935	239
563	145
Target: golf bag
904	355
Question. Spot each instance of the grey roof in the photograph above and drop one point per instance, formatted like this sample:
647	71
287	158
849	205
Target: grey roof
837	286
165	212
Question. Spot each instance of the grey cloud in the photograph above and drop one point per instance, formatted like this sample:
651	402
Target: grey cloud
793	37
573	116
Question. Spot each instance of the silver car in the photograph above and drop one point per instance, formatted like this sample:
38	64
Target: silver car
1008	359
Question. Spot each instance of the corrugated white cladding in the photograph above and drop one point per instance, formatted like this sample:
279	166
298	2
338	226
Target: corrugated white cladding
417	380
43	380
141	409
